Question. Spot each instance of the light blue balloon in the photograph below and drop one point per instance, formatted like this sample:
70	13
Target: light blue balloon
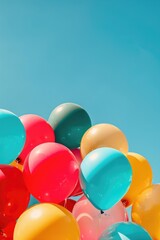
106	175
125	231
12	136
32	201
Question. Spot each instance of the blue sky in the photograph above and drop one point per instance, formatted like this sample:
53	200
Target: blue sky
103	55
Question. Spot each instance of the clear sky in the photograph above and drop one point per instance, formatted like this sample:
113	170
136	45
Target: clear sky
103	55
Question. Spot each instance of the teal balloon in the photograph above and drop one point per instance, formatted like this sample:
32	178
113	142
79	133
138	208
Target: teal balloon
106	176
125	231
12	136
32	201
69	122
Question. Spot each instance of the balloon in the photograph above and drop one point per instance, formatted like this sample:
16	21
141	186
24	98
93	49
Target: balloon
142	177
51	172
7	232
12	136
92	223
37	131
125	231
32	201
68	204
16	164
46	221
106	176
103	135
14	196
69	121
78	190
146	208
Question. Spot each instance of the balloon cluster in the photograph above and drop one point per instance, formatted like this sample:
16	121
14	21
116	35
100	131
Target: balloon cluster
65	179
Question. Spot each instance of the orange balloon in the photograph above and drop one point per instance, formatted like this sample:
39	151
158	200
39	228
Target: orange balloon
103	135
16	164
141	179
146	209
46	221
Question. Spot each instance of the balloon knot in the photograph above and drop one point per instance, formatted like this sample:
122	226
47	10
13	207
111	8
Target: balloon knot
102	212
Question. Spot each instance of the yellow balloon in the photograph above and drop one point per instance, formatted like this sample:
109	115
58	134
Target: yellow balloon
141	179
146	210
17	165
46	221
103	135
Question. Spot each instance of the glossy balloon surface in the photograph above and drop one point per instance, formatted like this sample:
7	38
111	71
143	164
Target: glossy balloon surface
12	136
69	121
106	176
103	135
46	222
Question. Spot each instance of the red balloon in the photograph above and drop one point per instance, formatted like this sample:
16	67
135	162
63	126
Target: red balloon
14	196
51	172
68	204
78	190
7	232
38	131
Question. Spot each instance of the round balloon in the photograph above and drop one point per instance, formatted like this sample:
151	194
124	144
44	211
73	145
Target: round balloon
103	135
12	136
46	221
145	210
142	177
51	172
14	196
92	222
38	131
69	121
125	231
78	190
106	176
7	232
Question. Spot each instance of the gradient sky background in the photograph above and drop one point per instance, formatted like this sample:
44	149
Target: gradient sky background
103	55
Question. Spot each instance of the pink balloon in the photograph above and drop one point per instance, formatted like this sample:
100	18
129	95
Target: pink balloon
38	131
92	223
78	190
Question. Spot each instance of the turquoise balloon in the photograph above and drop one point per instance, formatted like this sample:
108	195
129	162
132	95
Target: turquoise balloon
106	175
125	231
69	122
12	136
32	201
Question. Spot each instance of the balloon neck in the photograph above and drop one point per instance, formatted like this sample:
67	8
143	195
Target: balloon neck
18	160
102	212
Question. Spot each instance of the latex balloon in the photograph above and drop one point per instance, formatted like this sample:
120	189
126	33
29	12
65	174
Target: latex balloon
38	131
103	135
146	208
69	121
14	196
16	164
12	136
142	177
106	176
78	190
92	223
46	221
51	172
33	201
68	204
7	232
125	231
